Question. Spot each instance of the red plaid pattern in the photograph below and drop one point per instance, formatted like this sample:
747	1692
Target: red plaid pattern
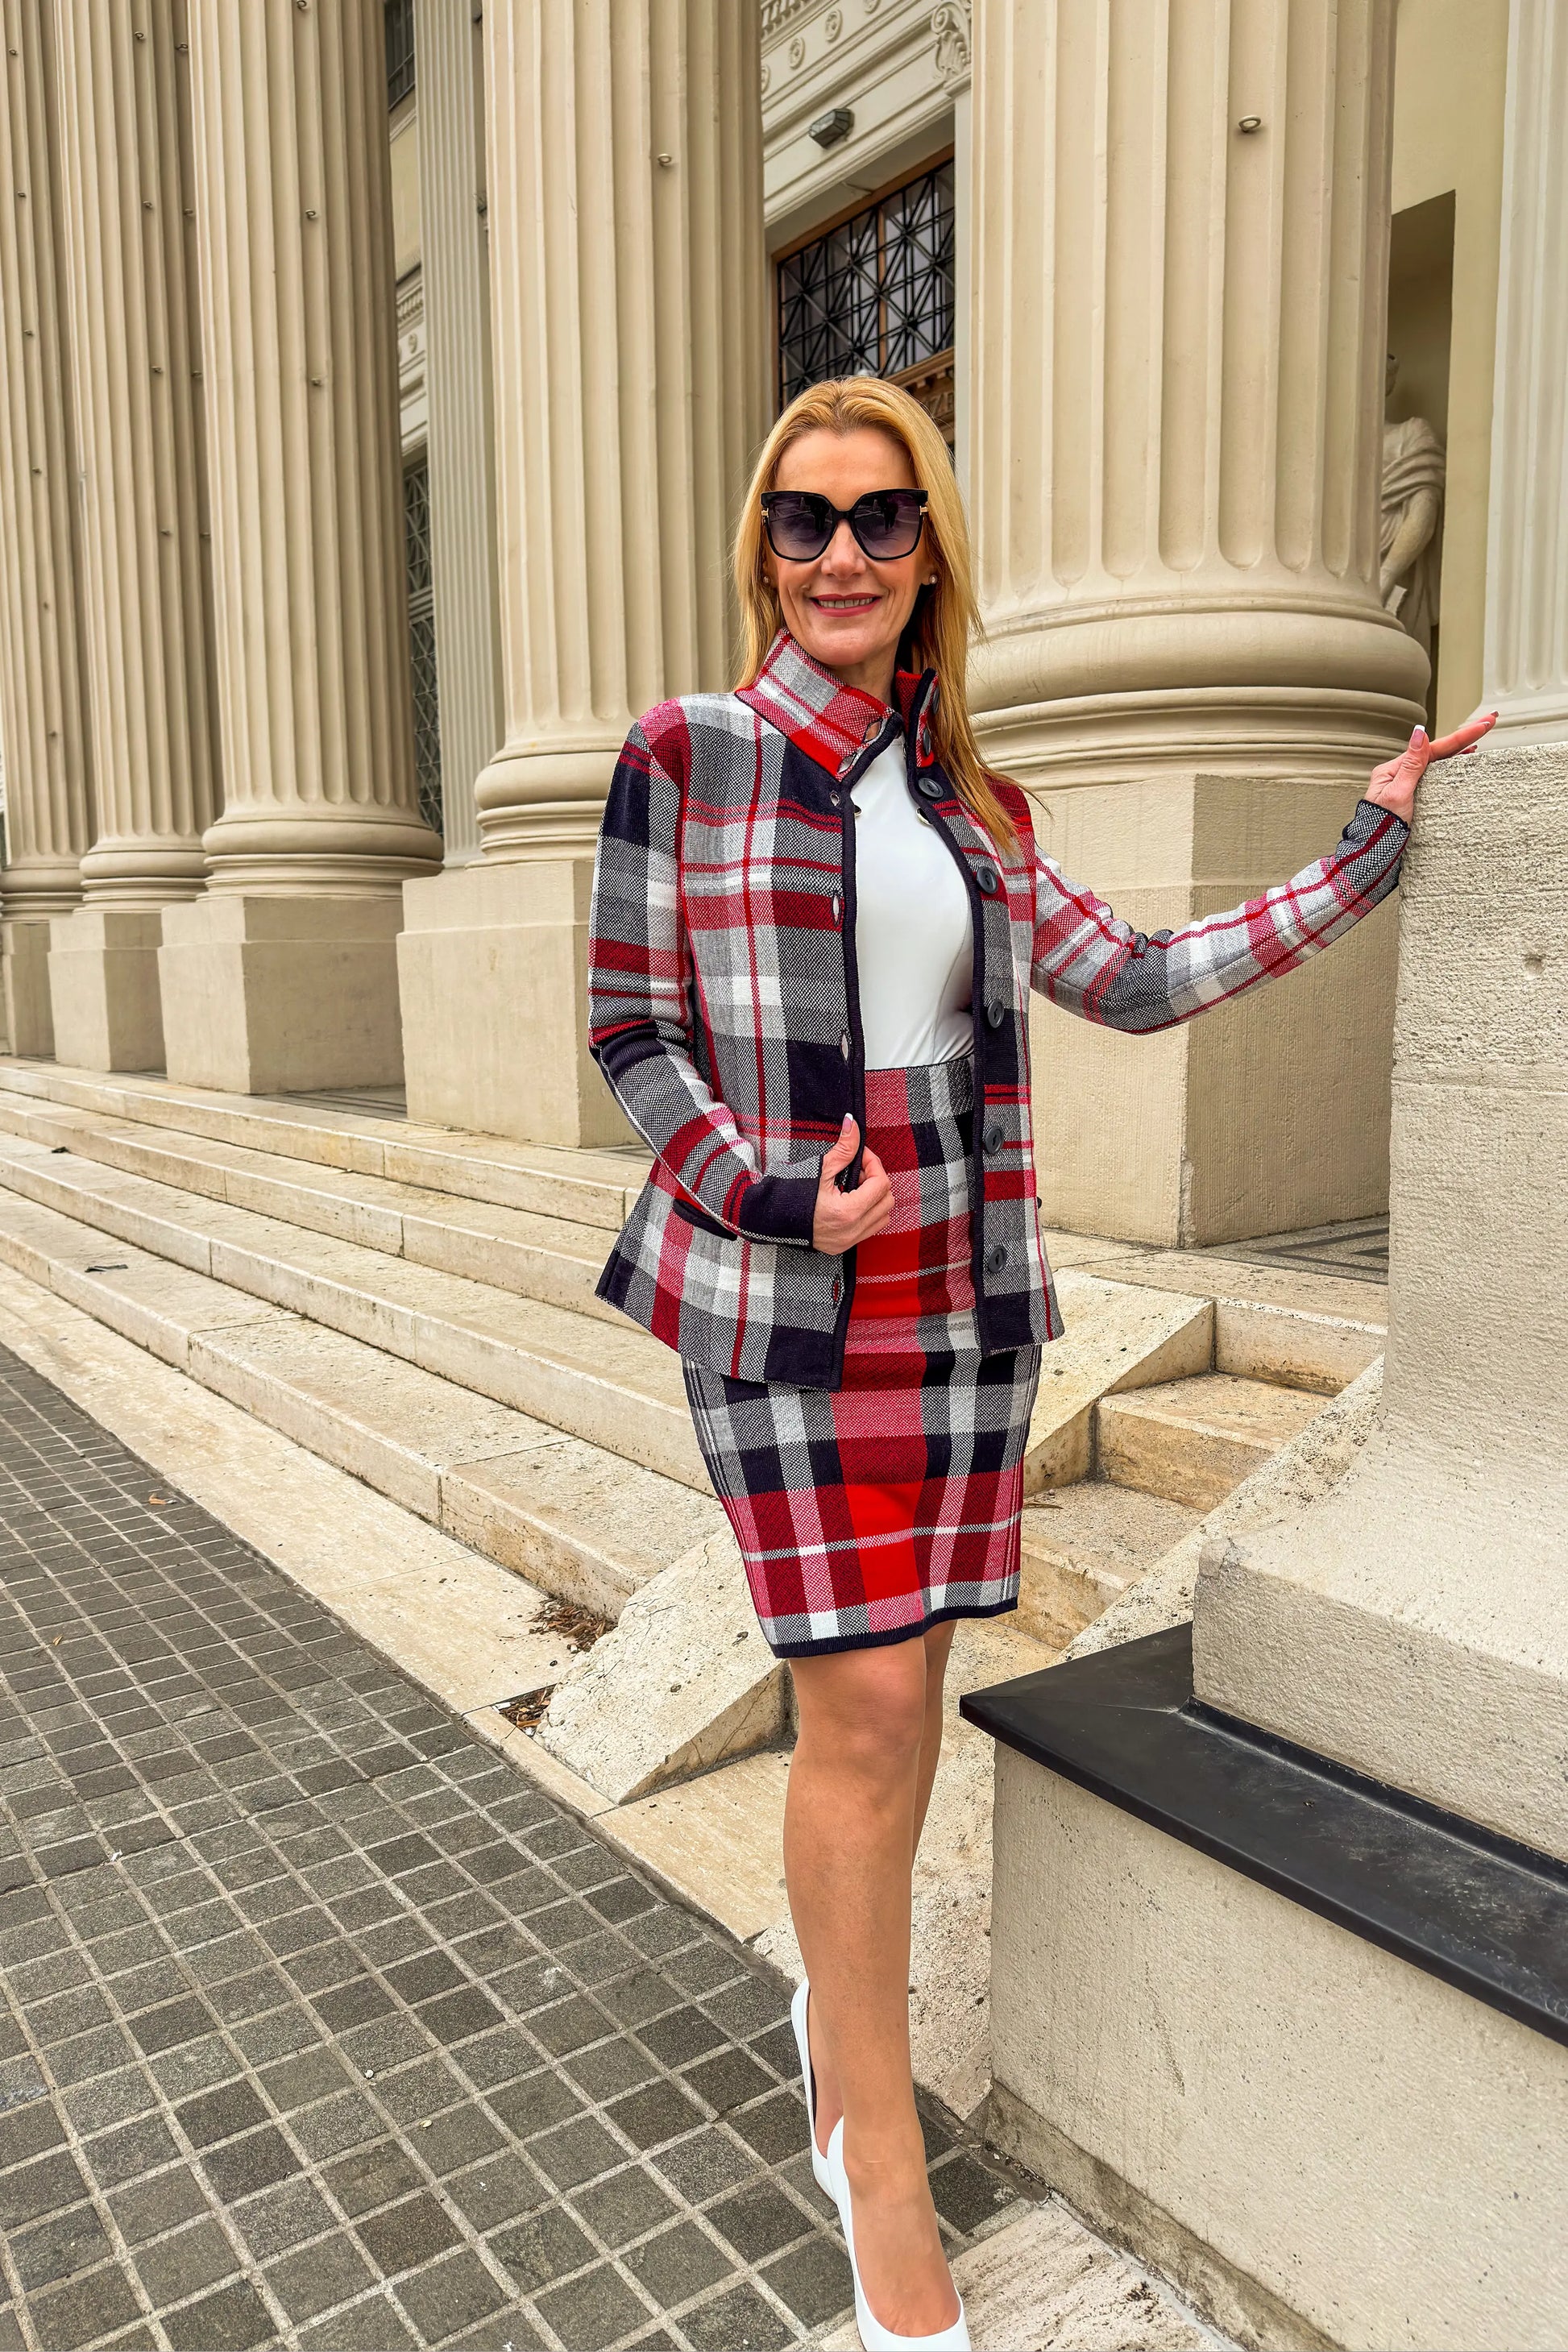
723	1008
868	1512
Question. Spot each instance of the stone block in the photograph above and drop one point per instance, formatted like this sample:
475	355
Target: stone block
280	995
684	1680
104	988
1412	1626
1321	2143
1194	1440
1043	2279
1117	1336
1299	1474
716	1841
1197	1136
24	973
493	969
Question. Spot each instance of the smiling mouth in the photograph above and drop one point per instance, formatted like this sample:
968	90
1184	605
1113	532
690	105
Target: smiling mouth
844	603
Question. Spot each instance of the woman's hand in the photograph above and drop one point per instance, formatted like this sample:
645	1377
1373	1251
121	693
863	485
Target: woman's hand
843	1219
1392	785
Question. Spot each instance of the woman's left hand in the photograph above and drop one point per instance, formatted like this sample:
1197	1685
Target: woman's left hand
1392	785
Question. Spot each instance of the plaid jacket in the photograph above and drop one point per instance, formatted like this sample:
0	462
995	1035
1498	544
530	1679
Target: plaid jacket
723	1005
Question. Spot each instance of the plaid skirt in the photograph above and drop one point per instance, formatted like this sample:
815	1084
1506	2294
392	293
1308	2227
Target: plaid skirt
866	1512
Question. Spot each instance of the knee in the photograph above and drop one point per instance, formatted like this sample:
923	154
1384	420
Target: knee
869	1718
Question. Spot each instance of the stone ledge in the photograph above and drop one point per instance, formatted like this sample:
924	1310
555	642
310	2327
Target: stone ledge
1484	1915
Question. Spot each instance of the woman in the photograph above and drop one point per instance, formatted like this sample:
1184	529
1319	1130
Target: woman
816	919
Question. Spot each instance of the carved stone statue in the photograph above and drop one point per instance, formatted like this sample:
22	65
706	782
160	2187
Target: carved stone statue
1412	467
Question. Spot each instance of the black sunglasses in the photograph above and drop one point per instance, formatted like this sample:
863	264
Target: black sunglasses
801	523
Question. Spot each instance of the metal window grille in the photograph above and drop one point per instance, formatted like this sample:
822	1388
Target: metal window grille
399	14
875	294
422	640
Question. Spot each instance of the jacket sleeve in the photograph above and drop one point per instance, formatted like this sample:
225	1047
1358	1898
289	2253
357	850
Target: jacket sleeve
1089	962
639	1006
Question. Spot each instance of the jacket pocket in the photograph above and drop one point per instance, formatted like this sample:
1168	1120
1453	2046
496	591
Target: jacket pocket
693	1216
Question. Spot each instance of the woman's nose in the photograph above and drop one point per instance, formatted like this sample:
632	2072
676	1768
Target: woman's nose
842	552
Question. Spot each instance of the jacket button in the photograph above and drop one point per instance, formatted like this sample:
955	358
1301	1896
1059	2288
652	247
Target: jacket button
838	1290
995	1136
837	906
996	1013
844	1045
932	786
986	875
834	797
997	1257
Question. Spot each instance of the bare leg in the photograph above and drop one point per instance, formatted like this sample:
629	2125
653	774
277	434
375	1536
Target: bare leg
858	1789
938	1649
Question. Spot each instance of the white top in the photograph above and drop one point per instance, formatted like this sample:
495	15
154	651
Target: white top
914	944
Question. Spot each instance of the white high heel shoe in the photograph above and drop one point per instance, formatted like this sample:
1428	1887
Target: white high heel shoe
802	2042
874	2336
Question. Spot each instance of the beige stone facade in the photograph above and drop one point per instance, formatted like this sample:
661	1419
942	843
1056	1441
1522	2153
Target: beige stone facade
560	274
1176	246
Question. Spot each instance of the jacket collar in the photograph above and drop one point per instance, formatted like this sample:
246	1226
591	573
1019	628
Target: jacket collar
832	722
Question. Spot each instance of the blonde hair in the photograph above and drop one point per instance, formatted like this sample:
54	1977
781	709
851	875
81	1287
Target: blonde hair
938	633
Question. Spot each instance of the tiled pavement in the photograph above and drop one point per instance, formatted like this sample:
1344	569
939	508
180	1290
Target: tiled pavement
324	2027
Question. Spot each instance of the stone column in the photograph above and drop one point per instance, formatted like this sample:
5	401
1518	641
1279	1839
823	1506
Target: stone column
130	273
628	315
455	273
1527	523
284	975
42	707
1413	1625
1181	230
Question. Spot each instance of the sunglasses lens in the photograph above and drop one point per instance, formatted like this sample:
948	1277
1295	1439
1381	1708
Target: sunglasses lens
800	524
888	524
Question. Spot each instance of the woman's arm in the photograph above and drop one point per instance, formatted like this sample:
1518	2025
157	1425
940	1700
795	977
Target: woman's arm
1091	964
639	1009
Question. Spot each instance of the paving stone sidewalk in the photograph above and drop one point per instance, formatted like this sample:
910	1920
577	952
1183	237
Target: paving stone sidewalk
323	2027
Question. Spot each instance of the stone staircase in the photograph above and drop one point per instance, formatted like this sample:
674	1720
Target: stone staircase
415	1305
1161	1456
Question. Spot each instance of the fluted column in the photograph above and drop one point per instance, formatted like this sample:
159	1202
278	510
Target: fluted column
628	320
1527	542
455	270
130	273
42	706
1181	230
284	974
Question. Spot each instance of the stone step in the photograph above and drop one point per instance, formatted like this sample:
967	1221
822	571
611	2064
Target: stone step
575	1519
587	1188
1192	1441
610	1384
1083	1545
521	1251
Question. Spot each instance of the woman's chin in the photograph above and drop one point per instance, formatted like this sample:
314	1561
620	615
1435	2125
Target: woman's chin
841	645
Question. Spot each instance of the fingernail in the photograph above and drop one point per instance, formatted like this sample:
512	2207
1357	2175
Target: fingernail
1418	735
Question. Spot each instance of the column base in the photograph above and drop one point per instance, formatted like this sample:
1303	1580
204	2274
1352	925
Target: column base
493	973
103	988
25	979
1267	1115
277	995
